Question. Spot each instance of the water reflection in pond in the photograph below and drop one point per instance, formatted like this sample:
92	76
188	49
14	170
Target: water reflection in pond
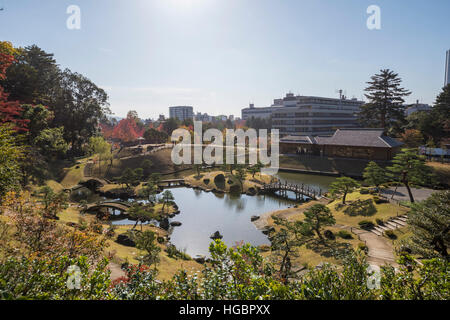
203	213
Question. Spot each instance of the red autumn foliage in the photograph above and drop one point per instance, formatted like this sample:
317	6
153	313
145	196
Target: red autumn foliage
10	111
126	130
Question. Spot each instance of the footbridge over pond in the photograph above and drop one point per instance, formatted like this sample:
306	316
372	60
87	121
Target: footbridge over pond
171	183
121	206
299	190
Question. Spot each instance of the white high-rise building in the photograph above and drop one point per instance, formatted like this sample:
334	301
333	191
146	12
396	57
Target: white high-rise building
447	69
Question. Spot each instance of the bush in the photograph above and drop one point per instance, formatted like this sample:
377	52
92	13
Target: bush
363	247
379	221
339	206
345	234
329	235
361	208
390	234
366	224
379	200
364	191
174	253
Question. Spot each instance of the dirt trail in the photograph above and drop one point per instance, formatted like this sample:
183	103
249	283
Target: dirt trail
116	271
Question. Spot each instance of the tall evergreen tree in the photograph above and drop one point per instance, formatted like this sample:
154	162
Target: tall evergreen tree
385	107
430	225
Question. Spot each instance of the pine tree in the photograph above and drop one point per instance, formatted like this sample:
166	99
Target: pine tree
409	168
374	175
385	106
430	225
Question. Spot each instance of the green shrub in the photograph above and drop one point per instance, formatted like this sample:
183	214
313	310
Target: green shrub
329	235
379	221
361	208
379	200
364	191
174	253
390	234
363	247
345	234
366	224
339	206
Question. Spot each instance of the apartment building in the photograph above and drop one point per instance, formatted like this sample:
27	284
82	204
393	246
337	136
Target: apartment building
181	112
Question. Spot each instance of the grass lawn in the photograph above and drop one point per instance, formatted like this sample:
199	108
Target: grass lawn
311	257
73	175
384	210
442	171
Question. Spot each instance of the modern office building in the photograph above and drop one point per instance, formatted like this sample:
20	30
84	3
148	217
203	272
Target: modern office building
447	68
252	112
308	115
181	112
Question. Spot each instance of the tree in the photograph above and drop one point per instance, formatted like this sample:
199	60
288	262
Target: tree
150	190
33	76
317	217
127	177
147	167
429	221
170	125
374	175
79	105
285	243
10	111
409	168
385	106
167	196
39	117
412	138
440	116
147	241
240	175
51	142
255	169
53	202
141	214
98	145
155	136
198	168
10	157
343	185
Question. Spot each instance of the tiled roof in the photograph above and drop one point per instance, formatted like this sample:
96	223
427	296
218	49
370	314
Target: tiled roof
348	137
359	138
298	139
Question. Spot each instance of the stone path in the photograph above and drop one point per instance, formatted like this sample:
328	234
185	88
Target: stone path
401	194
380	250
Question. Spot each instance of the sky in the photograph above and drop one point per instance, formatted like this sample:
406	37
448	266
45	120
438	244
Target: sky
220	55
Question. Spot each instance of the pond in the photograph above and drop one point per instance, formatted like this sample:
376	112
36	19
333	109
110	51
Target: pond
203	213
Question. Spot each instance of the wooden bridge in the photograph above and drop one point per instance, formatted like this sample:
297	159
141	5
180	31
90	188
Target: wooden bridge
298	190
171	183
122	206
